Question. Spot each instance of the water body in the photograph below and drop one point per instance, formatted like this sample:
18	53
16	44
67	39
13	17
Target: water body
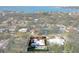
31	9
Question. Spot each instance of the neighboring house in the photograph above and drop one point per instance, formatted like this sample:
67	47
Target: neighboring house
77	29
4	43
36	20
3	30
32	32
71	29
56	40
62	28
11	30
23	30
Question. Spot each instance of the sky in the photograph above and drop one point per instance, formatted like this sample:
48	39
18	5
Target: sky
39	2
31	9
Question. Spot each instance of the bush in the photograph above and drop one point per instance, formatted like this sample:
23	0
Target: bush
68	47
56	48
